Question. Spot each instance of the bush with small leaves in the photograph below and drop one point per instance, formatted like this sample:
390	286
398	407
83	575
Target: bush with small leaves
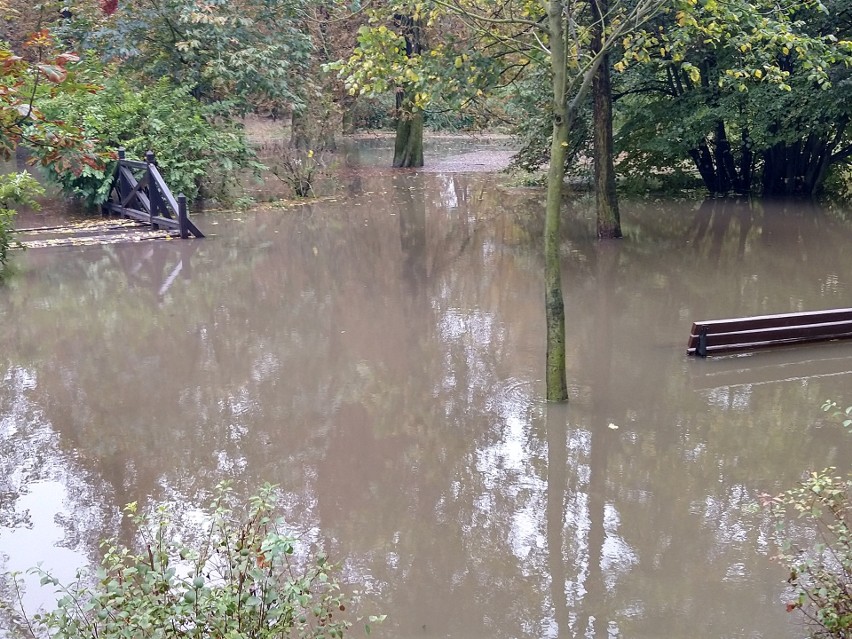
239	580
821	567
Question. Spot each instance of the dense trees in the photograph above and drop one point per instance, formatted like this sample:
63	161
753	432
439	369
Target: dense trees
755	98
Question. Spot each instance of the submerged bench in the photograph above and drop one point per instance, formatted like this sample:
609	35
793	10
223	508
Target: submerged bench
747	333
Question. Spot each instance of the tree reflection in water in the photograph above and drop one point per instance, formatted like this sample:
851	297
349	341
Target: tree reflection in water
380	358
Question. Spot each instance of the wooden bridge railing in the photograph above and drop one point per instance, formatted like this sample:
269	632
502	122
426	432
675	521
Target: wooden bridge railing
138	191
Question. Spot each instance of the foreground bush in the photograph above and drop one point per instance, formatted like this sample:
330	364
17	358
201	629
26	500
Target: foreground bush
821	566
237	580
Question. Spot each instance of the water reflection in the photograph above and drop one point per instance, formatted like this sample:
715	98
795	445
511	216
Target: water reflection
380	358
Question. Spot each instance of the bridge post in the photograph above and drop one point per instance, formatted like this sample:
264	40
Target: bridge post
182	217
153	194
123	186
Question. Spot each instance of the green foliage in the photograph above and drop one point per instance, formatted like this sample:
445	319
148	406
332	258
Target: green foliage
15	189
741	89
821	571
238	579
530	109
232	53
196	150
843	415
420	58
24	85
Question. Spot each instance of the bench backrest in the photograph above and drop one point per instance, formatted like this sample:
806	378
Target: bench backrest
743	333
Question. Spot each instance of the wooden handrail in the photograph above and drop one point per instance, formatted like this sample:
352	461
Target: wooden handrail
148	197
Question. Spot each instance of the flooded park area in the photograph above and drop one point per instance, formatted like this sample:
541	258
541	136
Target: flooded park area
379	354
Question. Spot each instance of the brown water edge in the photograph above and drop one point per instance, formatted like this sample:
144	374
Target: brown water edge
380	357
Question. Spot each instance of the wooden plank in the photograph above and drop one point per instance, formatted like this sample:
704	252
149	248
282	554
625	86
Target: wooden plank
743	344
158	180
136	214
134	164
751	346
165	222
135	191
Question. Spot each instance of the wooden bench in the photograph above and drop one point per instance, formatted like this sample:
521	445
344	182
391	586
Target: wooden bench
747	333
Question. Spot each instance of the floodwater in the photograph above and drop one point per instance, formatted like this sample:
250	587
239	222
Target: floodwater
380	356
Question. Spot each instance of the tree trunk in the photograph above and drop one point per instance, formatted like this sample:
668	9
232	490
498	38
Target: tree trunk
408	147
608	218
746	162
555	377
704	163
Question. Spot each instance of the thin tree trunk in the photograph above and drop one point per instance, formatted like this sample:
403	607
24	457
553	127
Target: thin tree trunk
608	218
746	162
555	377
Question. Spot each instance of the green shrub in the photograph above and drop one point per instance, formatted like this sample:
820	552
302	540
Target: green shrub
198	152
15	189
238	579
820	568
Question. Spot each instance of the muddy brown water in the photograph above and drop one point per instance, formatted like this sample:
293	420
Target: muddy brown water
380	357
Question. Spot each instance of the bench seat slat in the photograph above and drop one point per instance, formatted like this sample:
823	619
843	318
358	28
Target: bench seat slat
771	321
745	346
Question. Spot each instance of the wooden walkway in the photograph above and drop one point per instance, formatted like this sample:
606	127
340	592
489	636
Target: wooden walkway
139	195
138	191
91	232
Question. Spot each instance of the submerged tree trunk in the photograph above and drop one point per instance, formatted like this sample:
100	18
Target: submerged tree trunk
408	147
723	167
555	377
800	168
608	218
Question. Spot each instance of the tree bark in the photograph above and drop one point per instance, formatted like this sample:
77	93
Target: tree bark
408	146
555	376
608	217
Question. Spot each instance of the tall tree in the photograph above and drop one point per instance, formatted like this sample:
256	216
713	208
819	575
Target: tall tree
423	56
